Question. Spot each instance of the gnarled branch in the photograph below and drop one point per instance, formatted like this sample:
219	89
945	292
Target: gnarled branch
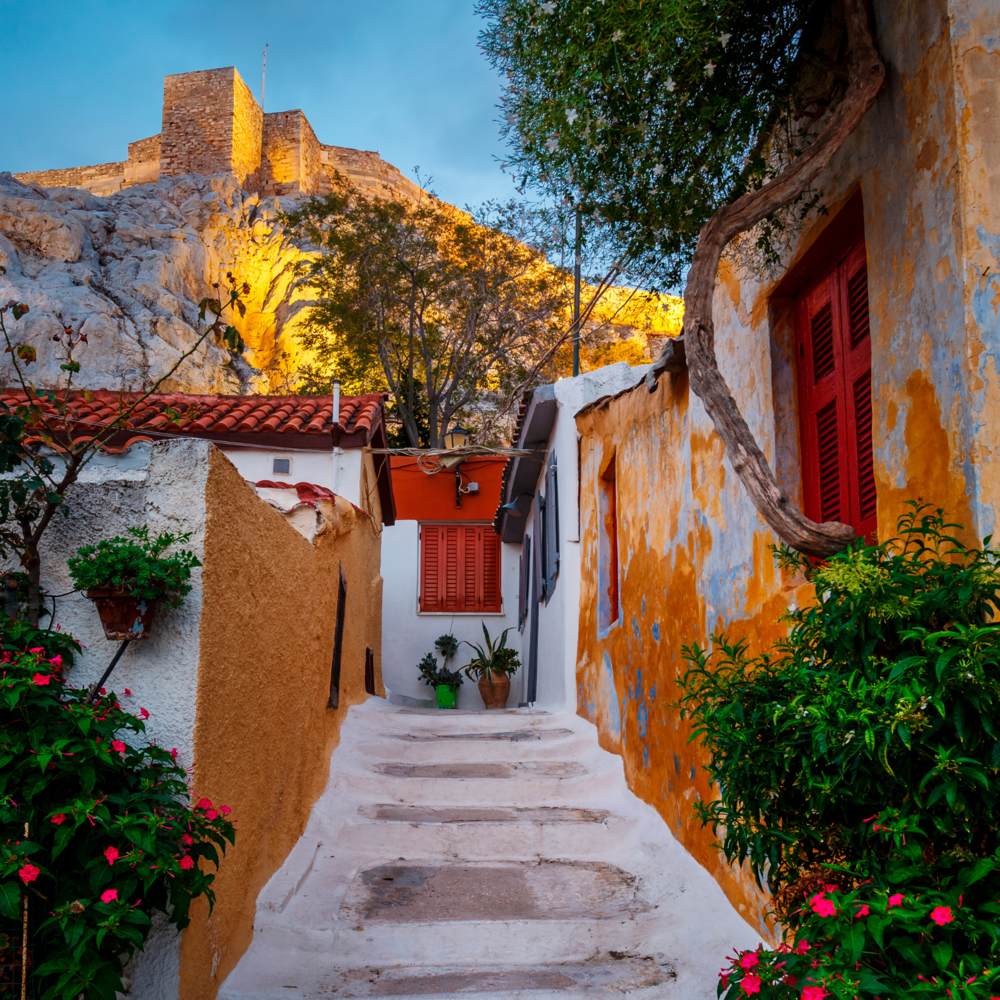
866	76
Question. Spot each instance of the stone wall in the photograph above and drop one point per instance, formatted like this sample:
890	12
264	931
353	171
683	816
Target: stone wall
211	125
101	179
368	172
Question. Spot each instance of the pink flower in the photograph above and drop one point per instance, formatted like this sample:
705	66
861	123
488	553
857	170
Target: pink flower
59	819
29	873
813	993
822	906
173	753
41	679
144	714
749	960
187	840
751	984
802	947
790	980
36	649
109	896
118	745
56	661
896	899
128	693
204	804
942	915
186	862
111	853
211	813
862	911
225	810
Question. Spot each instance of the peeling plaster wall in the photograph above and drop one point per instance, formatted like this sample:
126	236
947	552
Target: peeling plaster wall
263	734
693	550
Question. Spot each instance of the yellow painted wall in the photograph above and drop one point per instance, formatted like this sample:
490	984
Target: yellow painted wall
263	734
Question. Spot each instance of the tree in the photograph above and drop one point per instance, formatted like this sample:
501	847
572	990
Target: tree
45	445
680	127
442	309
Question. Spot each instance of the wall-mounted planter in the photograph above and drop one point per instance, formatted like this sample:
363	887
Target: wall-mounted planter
494	695
447	697
122	615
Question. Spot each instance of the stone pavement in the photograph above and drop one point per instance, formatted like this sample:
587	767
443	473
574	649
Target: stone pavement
489	853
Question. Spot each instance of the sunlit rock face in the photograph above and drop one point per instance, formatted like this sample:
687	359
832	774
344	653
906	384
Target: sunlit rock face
129	271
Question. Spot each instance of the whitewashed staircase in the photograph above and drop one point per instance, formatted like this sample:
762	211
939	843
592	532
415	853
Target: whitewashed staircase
490	853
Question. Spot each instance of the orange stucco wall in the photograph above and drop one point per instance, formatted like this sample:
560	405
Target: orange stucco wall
263	733
694	553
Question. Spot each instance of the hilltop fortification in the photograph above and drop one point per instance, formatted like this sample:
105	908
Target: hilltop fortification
212	124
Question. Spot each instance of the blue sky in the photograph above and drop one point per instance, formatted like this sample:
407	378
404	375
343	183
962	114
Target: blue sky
80	79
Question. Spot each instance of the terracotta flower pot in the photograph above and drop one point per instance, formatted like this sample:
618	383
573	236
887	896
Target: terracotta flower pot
495	694
122	615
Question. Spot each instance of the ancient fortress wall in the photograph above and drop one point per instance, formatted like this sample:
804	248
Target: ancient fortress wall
212	124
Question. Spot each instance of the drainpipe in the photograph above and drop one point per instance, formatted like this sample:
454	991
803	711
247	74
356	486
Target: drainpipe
337	450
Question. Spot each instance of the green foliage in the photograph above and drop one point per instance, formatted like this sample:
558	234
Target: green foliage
432	674
438	308
493	656
447	646
137	565
652	116
111	838
864	753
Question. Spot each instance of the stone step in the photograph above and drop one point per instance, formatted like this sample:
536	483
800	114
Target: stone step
480	833
433	746
645	976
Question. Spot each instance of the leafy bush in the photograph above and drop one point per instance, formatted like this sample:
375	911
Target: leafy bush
494	656
110	838
136	565
435	676
858	764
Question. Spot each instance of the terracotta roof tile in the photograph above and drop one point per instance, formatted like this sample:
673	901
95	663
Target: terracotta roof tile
218	414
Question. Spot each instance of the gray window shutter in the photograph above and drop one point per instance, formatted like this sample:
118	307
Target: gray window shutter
524	584
551	516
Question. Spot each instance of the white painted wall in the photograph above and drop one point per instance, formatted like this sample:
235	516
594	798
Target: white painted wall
338	470
407	634
559	620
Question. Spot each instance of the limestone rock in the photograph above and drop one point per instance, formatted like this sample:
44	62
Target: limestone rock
129	270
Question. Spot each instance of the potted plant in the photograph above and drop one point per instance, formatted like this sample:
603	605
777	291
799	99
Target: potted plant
127	578
493	665
444	681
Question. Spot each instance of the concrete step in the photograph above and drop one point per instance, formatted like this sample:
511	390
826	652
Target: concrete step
430	746
646	976
480	833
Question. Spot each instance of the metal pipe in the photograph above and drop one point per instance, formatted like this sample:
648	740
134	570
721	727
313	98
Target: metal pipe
107	673
577	262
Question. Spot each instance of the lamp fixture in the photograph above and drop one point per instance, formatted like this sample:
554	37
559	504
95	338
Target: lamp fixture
456	437
512	507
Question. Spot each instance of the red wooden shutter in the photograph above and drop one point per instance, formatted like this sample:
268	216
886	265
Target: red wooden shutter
459	569
835	406
491	594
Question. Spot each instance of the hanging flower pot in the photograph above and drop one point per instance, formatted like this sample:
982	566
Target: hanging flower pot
123	615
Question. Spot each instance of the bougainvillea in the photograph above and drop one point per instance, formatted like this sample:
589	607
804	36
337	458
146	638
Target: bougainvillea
95	823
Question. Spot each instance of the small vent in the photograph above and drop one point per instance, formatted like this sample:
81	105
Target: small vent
829	462
281	466
863	421
857	302
822	343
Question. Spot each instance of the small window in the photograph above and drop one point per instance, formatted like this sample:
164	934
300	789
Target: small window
281	467
607	550
338	642
460	569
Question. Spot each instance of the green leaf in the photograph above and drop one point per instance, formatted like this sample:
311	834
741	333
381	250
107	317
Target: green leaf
942	952
10	900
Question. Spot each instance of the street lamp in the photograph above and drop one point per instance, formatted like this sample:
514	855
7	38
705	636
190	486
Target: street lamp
512	507
456	438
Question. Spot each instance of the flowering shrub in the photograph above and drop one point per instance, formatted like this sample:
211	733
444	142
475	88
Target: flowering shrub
110	839
858	765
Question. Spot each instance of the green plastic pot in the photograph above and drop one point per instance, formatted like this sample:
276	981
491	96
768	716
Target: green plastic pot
446	696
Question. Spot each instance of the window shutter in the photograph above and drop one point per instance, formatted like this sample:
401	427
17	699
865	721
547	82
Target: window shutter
835	404
525	584
491	593
431	552
551	516
543	544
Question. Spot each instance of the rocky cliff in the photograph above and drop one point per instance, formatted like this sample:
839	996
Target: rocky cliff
129	270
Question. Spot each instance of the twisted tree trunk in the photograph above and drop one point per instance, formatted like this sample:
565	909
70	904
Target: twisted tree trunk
866	76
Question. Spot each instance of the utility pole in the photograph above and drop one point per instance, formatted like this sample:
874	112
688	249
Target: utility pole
263	71
578	260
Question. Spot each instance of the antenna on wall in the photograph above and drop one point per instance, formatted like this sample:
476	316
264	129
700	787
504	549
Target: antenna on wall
263	71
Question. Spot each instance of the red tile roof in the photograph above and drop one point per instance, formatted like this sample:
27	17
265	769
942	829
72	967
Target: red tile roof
264	419
309	494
